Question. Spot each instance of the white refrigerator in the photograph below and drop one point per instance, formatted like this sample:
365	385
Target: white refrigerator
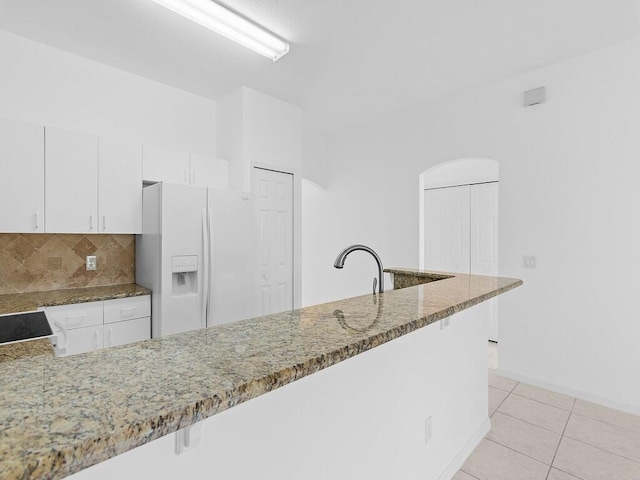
197	255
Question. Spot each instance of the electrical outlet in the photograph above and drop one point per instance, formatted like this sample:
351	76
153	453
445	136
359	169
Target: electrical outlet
529	261
92	262
428	430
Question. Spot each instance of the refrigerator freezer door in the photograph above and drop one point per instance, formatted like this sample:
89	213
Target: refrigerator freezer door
170	256
233	292
181	226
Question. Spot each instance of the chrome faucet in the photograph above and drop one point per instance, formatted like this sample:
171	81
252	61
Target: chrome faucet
339	263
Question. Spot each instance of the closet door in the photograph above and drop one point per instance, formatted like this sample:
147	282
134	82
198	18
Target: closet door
484	240
446	235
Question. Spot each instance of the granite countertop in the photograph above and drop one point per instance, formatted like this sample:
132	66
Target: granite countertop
26	302
61	415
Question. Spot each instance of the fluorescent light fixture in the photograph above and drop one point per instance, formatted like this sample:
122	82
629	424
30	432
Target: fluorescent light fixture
228	23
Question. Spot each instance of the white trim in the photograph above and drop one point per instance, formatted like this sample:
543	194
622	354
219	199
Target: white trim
582	395
461	457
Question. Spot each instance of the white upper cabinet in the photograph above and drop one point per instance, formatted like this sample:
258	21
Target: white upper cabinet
209	172
71	181
120	186
161	165
21	177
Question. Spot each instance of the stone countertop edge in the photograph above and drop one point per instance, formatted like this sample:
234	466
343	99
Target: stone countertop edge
267	367
26	302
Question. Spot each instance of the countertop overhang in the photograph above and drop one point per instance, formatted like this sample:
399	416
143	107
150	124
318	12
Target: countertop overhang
62	415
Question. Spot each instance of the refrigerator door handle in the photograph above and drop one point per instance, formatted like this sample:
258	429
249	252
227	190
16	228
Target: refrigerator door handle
210	270
205	267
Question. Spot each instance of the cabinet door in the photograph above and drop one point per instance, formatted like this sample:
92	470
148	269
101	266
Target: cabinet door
81	340
71	194
160	165
129	331
209	172
22	178
120	186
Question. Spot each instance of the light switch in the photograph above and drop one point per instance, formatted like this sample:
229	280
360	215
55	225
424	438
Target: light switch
529	261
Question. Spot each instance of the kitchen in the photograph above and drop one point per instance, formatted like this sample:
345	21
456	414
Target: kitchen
574	152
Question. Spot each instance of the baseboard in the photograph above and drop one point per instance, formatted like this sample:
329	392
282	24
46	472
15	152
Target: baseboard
587	396
461	457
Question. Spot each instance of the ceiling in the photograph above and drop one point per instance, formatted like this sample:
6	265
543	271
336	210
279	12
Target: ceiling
350	61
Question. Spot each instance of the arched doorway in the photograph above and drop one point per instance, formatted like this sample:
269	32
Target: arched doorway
459	220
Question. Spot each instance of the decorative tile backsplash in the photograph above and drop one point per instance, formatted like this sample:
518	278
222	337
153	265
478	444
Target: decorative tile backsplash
40	262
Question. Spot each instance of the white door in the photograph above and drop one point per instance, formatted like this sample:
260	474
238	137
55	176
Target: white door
274	223
159	165
446	224
71	161
22	178
484	241
120	186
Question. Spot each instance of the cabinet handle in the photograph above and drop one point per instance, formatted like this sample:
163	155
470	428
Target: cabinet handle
186	178
127	312
96	339
37	221
73	320
110	337
90	222
104	222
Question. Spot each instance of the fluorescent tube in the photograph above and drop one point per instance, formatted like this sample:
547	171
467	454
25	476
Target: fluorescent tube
221	20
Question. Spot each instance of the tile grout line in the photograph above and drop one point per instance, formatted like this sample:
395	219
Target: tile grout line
529	423
605	422
516	451
561	437
544	403
602	449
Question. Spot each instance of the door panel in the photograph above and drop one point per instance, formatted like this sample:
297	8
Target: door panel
461	234
447	229
484	241
274	218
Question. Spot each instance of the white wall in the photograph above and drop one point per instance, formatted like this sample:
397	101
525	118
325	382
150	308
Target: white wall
568	194
43	85
257	130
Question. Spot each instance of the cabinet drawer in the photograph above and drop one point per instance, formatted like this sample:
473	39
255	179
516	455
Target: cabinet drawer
129	331
81	340
126	309
77	316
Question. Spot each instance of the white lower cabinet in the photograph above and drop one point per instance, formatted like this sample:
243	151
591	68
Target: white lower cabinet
129	331
84	327
86	339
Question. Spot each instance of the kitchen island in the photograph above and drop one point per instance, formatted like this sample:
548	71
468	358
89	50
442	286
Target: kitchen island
60	416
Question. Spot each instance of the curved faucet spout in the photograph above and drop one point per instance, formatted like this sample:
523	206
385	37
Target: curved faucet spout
339	263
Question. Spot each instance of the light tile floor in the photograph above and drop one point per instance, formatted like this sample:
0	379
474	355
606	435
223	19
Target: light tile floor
537	434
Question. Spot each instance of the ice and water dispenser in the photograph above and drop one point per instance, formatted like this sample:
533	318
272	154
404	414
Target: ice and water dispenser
184	279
